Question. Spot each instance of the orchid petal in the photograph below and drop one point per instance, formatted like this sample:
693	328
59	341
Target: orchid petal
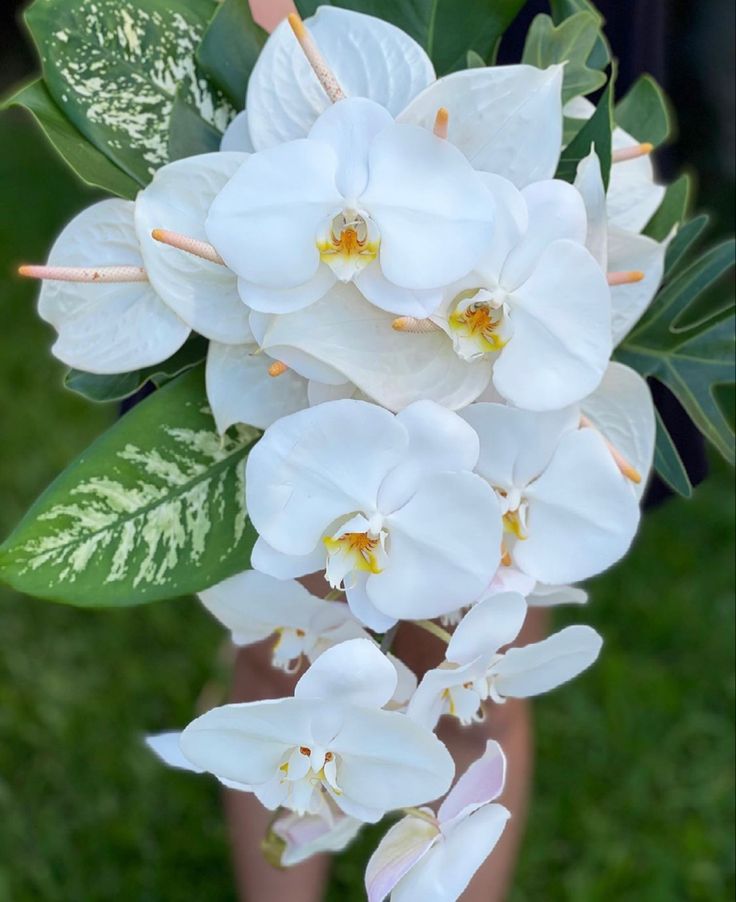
481	783
505	119
310	834
286	300
550	596
400	849
363	608
488	626
166	746
354	672
376	288
110	327
274	563
431	701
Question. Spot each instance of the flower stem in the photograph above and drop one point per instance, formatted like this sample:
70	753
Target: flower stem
334	595
388	638
434	628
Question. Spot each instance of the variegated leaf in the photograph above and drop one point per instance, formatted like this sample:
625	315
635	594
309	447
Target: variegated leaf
154	509
114	68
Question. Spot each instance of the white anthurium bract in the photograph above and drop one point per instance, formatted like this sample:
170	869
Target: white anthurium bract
333	738
433	858
619	250
475	670
537	306
569	512
505	119
392	208
386	504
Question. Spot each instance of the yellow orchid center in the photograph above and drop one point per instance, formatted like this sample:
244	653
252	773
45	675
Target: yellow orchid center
478	324
359	547
348	244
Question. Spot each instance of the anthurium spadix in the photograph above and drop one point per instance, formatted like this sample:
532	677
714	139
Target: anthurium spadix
536	307
393	208
475	670
386	505
569	512
434	857
332	739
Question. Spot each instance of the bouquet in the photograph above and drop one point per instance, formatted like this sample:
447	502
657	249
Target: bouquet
399	305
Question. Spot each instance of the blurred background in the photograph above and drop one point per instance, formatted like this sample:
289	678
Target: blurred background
634	784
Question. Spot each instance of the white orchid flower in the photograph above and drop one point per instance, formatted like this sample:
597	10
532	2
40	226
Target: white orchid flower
569	512
254	606
434	857
385	504
635	262
310	834
536	308
505	119
331	739
475	670
393	208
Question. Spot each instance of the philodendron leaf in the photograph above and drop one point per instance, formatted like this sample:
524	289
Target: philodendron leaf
92	166
116	387
114	69
595	133
668	463
230	48
571	43
445	31
686	341
154	509
600	56
645	112
673	209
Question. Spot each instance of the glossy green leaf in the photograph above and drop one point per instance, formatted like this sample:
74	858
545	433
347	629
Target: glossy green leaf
474	60
691	355
684	241
668	463
645	112
600	56
571	43
445	31
189	133
230	48
154	509
673	209
595	133
115	387
114	69
92	166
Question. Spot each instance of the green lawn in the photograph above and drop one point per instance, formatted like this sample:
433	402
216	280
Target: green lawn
634	796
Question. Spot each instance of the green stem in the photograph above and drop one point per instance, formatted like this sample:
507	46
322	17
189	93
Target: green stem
433	628
334	595
388	638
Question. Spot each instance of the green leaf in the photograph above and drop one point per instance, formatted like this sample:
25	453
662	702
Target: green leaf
691	354
595	133
84	158
189	133
230	48
99	388
673	209
571	42
154	509
645	112
685	239
445	31
474	60
114	69
668	463
600	56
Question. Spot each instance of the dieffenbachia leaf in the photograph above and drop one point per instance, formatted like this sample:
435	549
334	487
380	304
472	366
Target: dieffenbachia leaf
673	210
595	133
114	69
90	164
686	341
189	133
118	386
445	32
230	48
154	509
571	43
645	112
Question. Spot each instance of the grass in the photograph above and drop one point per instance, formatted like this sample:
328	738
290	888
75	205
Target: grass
634	789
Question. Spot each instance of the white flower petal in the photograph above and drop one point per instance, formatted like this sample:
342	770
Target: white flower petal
202	293
110	327
166	746
516	445
370	58
481	783
561	332
355	672
542	666
285	300
240	389
431	701
633	196
320	393
317	465
589	182
274	563
505	119
544	596
628	302
400	849
311	834
510	224
444	872
432	210
444	548
582	513
488	626
264	222
379	291
237	136
623	410
363	608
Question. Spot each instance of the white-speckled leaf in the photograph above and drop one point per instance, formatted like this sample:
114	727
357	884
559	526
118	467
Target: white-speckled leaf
154	509
114	68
